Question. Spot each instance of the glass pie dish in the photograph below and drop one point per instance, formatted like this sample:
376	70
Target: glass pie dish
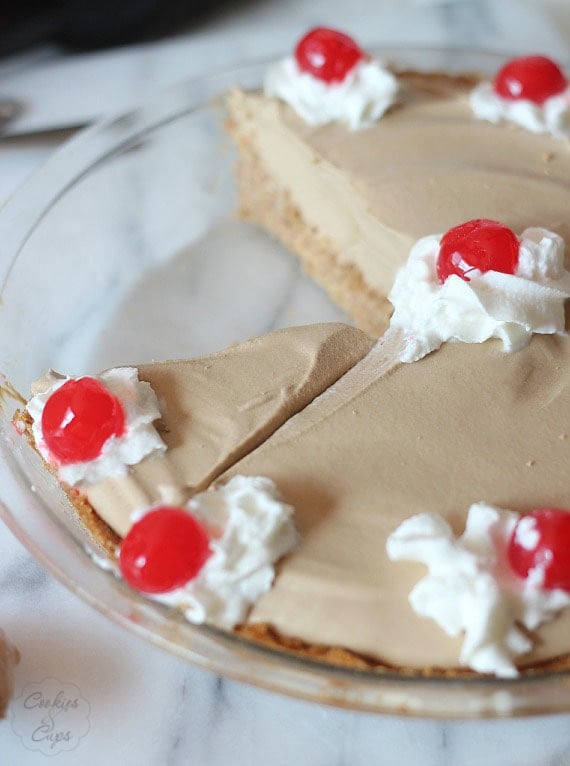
125	248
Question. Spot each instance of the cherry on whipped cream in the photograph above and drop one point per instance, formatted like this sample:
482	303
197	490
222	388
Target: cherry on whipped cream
327	54
532	78
78	419
164	550
479	244
545	543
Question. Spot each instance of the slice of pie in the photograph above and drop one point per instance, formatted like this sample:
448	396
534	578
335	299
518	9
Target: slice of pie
351	202
215	410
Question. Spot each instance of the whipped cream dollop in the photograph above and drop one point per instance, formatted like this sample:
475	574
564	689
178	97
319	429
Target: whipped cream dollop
491	304
250	529
140	439
359	101
470	588
552	116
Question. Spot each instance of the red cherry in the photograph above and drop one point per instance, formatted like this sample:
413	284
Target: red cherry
78	418
534	78
479	244
327	54
550	551
164	550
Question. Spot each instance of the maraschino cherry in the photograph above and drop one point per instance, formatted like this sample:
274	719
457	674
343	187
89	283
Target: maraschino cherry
327	54
480	244
533	78
550	550
164	550
78	418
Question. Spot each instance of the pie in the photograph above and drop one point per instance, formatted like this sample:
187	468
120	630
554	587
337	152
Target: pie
340	432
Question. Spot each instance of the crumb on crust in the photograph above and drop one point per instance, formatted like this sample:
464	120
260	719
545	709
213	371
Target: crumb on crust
99	530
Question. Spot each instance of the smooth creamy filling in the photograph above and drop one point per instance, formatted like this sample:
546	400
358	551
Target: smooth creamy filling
389	441
216	409
426	166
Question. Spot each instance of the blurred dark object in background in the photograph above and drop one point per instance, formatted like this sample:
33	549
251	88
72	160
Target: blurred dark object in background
89	24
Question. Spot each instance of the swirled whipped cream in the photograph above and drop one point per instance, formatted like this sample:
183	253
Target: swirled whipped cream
470	588
139	440
250	529
491	304
552	116
359	101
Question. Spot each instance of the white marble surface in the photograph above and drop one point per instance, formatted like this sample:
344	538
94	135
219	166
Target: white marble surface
146	707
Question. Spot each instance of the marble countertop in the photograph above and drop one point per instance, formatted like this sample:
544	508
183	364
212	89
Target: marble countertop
137	704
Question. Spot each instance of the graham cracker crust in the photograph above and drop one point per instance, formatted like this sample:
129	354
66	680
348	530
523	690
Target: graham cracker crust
261	201
99	530
267	635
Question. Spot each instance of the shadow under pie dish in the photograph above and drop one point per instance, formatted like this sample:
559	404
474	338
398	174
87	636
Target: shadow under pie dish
329	653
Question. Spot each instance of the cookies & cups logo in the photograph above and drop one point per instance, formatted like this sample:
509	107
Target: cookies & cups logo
50	716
